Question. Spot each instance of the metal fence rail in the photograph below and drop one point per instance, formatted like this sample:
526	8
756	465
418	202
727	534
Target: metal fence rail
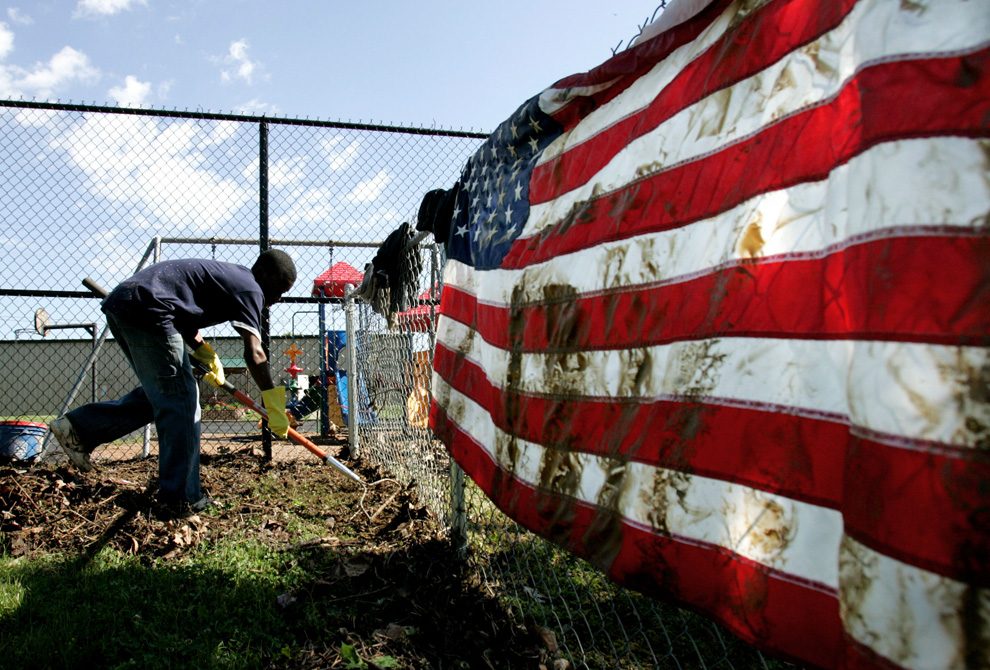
99	192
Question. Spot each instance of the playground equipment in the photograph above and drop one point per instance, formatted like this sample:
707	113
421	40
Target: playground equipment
43	325
333	375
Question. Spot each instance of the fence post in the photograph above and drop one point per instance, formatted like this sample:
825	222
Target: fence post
352	371
156	255
458	511
266	435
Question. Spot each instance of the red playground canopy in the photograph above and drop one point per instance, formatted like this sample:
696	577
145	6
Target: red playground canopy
333	281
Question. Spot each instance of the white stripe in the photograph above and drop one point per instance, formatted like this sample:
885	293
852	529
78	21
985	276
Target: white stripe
914	618
795	538
889	190
916	391
876	30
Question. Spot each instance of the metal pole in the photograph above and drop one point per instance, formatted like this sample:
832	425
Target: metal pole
352	371
156	255
324	379
266	436
458	520
92	331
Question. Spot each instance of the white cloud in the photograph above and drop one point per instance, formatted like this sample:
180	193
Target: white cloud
154	168
6	40
105	7
38	118
340	158
66	67
370	190
257	108
220	133
285	172
133	93
242	67
18	17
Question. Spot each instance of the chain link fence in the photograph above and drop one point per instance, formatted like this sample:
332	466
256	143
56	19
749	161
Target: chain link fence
101	192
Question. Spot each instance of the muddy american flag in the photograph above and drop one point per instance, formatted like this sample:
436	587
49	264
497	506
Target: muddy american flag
715	318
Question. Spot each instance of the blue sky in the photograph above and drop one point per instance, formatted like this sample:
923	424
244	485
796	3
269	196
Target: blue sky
454	64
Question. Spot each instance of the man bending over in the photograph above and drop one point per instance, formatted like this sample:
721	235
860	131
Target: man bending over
153	315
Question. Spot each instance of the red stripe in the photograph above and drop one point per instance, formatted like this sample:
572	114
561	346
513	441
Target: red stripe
932	289
927	508
797	457
758	41
763	607
889	101
622	70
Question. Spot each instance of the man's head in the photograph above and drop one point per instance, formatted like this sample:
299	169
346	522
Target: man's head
275	273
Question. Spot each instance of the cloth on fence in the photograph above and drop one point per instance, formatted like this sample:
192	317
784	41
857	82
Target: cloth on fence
391	280
715	317
436	211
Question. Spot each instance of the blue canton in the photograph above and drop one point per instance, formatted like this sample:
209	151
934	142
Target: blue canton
493	204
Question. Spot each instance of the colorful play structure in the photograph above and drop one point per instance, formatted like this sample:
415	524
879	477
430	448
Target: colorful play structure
333	373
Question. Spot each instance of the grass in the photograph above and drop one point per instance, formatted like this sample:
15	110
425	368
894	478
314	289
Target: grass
212	611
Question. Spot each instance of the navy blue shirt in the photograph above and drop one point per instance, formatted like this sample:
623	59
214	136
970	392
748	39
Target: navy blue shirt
185	296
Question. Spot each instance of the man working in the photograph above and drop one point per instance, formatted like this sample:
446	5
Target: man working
153	315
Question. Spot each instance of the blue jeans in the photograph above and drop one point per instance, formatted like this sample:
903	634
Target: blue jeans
168	395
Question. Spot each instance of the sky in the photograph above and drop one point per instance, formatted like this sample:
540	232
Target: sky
458	64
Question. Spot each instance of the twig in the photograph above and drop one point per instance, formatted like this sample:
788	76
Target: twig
384	505
312	543
27	496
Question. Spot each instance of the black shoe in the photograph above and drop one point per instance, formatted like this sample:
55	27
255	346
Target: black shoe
169	509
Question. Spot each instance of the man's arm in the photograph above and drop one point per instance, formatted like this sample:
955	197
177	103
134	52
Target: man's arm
256	361
272	396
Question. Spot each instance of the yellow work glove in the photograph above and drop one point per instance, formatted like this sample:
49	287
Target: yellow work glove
207	356
278	420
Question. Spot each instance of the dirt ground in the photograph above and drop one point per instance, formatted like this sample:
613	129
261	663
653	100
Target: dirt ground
48	509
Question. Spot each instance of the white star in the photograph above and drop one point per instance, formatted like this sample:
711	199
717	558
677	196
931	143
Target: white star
476	217
489	234
508	213
534	144
508	234
491	198
519	190
501	197
457	211
535	125
515	131
512	150
461	231
475	201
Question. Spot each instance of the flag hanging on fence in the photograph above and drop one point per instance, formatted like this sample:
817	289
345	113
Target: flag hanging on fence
716	317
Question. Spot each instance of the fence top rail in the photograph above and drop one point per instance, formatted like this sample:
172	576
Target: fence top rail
212	116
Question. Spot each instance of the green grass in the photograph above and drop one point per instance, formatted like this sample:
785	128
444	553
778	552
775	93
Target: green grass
214	610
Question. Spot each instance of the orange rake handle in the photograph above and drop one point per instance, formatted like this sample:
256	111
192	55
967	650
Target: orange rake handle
246	400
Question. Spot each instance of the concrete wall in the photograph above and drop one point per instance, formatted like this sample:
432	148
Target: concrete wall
36	375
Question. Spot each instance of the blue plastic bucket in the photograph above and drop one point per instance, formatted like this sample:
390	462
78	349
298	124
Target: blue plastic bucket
22	439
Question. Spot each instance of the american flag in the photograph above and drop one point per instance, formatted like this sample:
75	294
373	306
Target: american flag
716	318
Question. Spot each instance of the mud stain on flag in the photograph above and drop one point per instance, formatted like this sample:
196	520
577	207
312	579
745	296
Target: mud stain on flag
885	603
971	383
667	498
751	243
694	368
